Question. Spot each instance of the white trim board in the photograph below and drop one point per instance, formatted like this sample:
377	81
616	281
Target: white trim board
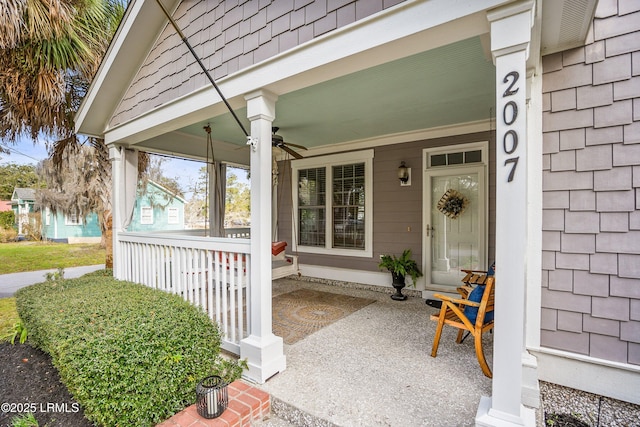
616	380
374	278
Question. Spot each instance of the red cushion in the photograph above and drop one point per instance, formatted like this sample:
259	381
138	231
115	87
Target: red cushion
277	247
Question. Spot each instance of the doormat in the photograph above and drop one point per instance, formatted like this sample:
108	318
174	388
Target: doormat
300	313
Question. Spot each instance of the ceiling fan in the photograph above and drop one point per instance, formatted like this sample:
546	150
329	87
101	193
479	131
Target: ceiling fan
279	142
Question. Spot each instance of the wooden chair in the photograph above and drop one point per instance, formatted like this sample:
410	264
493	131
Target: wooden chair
452	313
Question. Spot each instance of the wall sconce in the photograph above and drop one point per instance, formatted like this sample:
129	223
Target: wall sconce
404	174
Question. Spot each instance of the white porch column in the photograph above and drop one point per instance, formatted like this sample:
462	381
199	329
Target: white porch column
262	349
510	37
116	156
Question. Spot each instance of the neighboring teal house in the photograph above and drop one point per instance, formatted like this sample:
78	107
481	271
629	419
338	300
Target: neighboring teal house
23	203
70	228
156	210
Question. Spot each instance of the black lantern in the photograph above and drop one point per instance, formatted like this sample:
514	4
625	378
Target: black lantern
211	397
403	173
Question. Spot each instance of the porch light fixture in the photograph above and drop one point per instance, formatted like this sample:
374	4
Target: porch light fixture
212	397
404	174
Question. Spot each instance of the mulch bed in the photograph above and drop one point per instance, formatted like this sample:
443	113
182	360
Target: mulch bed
563	420
30	383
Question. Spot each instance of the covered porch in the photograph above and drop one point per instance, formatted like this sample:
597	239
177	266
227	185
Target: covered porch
379	87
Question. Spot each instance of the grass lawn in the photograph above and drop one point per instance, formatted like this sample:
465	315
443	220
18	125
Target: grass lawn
8	316
30	256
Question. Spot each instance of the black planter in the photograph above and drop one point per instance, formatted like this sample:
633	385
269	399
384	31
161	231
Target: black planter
398	283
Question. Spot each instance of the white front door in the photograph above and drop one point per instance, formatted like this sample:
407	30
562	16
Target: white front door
455	233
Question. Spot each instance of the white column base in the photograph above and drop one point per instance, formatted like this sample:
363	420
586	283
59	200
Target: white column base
488	417
264	357
530	385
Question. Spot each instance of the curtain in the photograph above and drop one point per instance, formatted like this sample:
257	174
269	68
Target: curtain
129	187
218	195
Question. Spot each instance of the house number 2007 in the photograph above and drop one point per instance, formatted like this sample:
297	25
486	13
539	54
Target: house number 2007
509	116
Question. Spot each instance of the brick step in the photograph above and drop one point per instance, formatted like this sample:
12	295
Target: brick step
247	405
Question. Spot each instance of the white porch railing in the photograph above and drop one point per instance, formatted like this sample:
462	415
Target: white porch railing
211	273
234	232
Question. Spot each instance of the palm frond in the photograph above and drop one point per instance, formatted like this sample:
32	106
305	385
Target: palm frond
11	12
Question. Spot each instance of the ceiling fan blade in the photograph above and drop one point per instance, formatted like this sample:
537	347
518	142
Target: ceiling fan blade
290	151
302	147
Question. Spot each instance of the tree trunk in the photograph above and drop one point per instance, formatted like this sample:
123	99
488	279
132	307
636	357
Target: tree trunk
108	237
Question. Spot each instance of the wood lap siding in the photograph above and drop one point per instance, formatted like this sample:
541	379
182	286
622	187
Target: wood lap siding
229	36
591	199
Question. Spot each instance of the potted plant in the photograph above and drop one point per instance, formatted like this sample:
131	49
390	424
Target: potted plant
399	268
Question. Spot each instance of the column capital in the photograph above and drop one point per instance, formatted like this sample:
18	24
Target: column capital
261	104
115	152
511	28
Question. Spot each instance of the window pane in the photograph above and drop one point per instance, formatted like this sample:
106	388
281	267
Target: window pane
312	224
311	206
146	215
473	156
439	160
455	158
348	208
173	217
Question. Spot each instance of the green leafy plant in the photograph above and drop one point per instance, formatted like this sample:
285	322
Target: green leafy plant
25	420
7	219
564	420
19	330
55	275
401	266
129	354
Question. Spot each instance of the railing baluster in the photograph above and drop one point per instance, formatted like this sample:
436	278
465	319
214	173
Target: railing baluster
232	297
210	290
224	287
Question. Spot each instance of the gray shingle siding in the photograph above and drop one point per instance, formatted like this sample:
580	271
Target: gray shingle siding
591	184
229	36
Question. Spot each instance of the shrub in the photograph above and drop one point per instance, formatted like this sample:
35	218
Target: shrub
130	355
8	235
7	219
33	228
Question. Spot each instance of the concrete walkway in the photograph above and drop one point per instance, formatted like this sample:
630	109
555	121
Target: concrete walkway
10	283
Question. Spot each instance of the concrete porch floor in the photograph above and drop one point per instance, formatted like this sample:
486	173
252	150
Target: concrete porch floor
374	368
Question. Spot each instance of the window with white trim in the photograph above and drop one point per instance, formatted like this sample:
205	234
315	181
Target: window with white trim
72	219
47	216
333	199
173	216
146	215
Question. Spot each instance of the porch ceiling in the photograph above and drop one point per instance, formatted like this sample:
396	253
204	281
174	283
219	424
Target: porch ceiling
449	85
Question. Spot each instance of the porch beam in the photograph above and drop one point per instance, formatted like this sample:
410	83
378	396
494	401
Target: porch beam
510	40
262	349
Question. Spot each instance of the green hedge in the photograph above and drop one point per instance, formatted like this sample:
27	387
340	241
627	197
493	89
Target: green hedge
7	219
130	355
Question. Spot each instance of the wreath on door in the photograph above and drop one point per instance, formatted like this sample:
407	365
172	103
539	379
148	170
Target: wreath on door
452	203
